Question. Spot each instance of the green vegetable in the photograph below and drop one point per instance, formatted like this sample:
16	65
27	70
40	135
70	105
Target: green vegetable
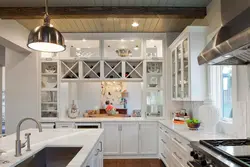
195	121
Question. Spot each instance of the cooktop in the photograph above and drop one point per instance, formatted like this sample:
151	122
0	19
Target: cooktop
237	150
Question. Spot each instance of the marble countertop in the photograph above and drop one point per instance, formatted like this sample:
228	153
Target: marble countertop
51	138
115	119
193	135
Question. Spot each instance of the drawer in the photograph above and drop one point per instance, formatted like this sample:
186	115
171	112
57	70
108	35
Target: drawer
65	125
180	154
166	156
182	143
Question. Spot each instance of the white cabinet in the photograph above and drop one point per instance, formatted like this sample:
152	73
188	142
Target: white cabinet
148	138
95	159
129	138
188	78
174	150
111	138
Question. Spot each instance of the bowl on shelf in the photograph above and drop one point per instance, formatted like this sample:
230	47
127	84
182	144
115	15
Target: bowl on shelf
50	69
152	85
51	85
123	52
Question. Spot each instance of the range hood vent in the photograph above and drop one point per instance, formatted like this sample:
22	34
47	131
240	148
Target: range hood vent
231	45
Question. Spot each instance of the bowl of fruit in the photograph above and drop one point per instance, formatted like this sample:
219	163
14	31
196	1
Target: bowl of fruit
193	124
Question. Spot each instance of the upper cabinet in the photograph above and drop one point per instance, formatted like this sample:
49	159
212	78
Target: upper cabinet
154	49
188	78
122	49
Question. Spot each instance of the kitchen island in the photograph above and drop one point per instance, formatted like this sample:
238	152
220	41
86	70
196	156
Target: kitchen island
89	143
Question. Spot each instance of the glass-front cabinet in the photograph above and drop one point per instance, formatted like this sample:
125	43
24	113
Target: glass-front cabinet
49	89
188	78
180	70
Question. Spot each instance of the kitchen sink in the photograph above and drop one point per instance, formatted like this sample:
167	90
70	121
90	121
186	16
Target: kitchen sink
51	157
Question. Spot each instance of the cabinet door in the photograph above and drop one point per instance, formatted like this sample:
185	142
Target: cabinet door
111	139
148	134
129	138
174	74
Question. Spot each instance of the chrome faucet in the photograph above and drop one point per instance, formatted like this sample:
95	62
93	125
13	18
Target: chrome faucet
19	144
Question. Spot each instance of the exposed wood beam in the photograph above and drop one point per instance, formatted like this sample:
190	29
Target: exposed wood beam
102	12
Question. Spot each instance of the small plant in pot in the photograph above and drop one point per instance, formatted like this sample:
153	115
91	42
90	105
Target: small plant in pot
193	124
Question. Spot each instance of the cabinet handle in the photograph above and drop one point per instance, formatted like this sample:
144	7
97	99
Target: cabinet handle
166	131
97	152
163	141
177	155
189	164
163	155
177	141
121	127
101	146
189	145
139	126
161	128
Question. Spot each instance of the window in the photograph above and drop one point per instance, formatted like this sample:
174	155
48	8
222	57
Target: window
221	86
226	92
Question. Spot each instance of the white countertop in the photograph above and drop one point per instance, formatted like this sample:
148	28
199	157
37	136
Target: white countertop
113	119
193	135
51	138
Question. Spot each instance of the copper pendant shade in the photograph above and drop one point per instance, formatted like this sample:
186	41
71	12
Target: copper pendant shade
46	38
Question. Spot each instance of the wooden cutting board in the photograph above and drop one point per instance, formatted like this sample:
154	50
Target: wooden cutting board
106	115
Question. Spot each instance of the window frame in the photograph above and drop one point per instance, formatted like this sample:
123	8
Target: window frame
216	90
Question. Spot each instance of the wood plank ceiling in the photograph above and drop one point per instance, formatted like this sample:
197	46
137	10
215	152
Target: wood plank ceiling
156	24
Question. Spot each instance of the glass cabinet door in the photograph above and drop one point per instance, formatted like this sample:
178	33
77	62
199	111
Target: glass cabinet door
174	74
185	69
179	71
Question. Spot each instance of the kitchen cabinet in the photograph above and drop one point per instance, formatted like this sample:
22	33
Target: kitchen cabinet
49	90
188	78
174	150
112	138
95	158
129	138
148	138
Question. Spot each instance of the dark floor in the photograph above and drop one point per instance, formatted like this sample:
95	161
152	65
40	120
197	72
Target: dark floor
133	163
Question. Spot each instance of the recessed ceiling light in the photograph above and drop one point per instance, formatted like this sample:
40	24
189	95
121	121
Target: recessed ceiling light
135	24
78	48
84	40
151	40
132	40
122	40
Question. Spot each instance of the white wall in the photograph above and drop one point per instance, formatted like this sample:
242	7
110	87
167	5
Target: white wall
14	36
21	89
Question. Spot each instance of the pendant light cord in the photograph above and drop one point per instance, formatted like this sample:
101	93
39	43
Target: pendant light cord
46	8
46	16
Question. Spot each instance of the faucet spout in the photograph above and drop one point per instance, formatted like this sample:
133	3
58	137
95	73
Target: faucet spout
18	129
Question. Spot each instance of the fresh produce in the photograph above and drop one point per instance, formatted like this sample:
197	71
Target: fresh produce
193	121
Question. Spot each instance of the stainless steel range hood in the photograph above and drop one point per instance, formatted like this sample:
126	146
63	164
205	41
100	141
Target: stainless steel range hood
231	45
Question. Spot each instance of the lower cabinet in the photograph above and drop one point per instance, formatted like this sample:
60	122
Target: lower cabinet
130	138
173	149
112	139
95	158
148	138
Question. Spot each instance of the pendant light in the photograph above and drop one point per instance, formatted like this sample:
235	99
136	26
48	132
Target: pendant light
46	38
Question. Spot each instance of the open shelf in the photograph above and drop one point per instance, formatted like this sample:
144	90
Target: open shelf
112	69
134	69
91	69
69	70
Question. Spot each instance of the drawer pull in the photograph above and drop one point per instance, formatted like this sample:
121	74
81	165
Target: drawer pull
163	141
166	131
189	164
161	128
177	140
189	145
163	155
175	154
